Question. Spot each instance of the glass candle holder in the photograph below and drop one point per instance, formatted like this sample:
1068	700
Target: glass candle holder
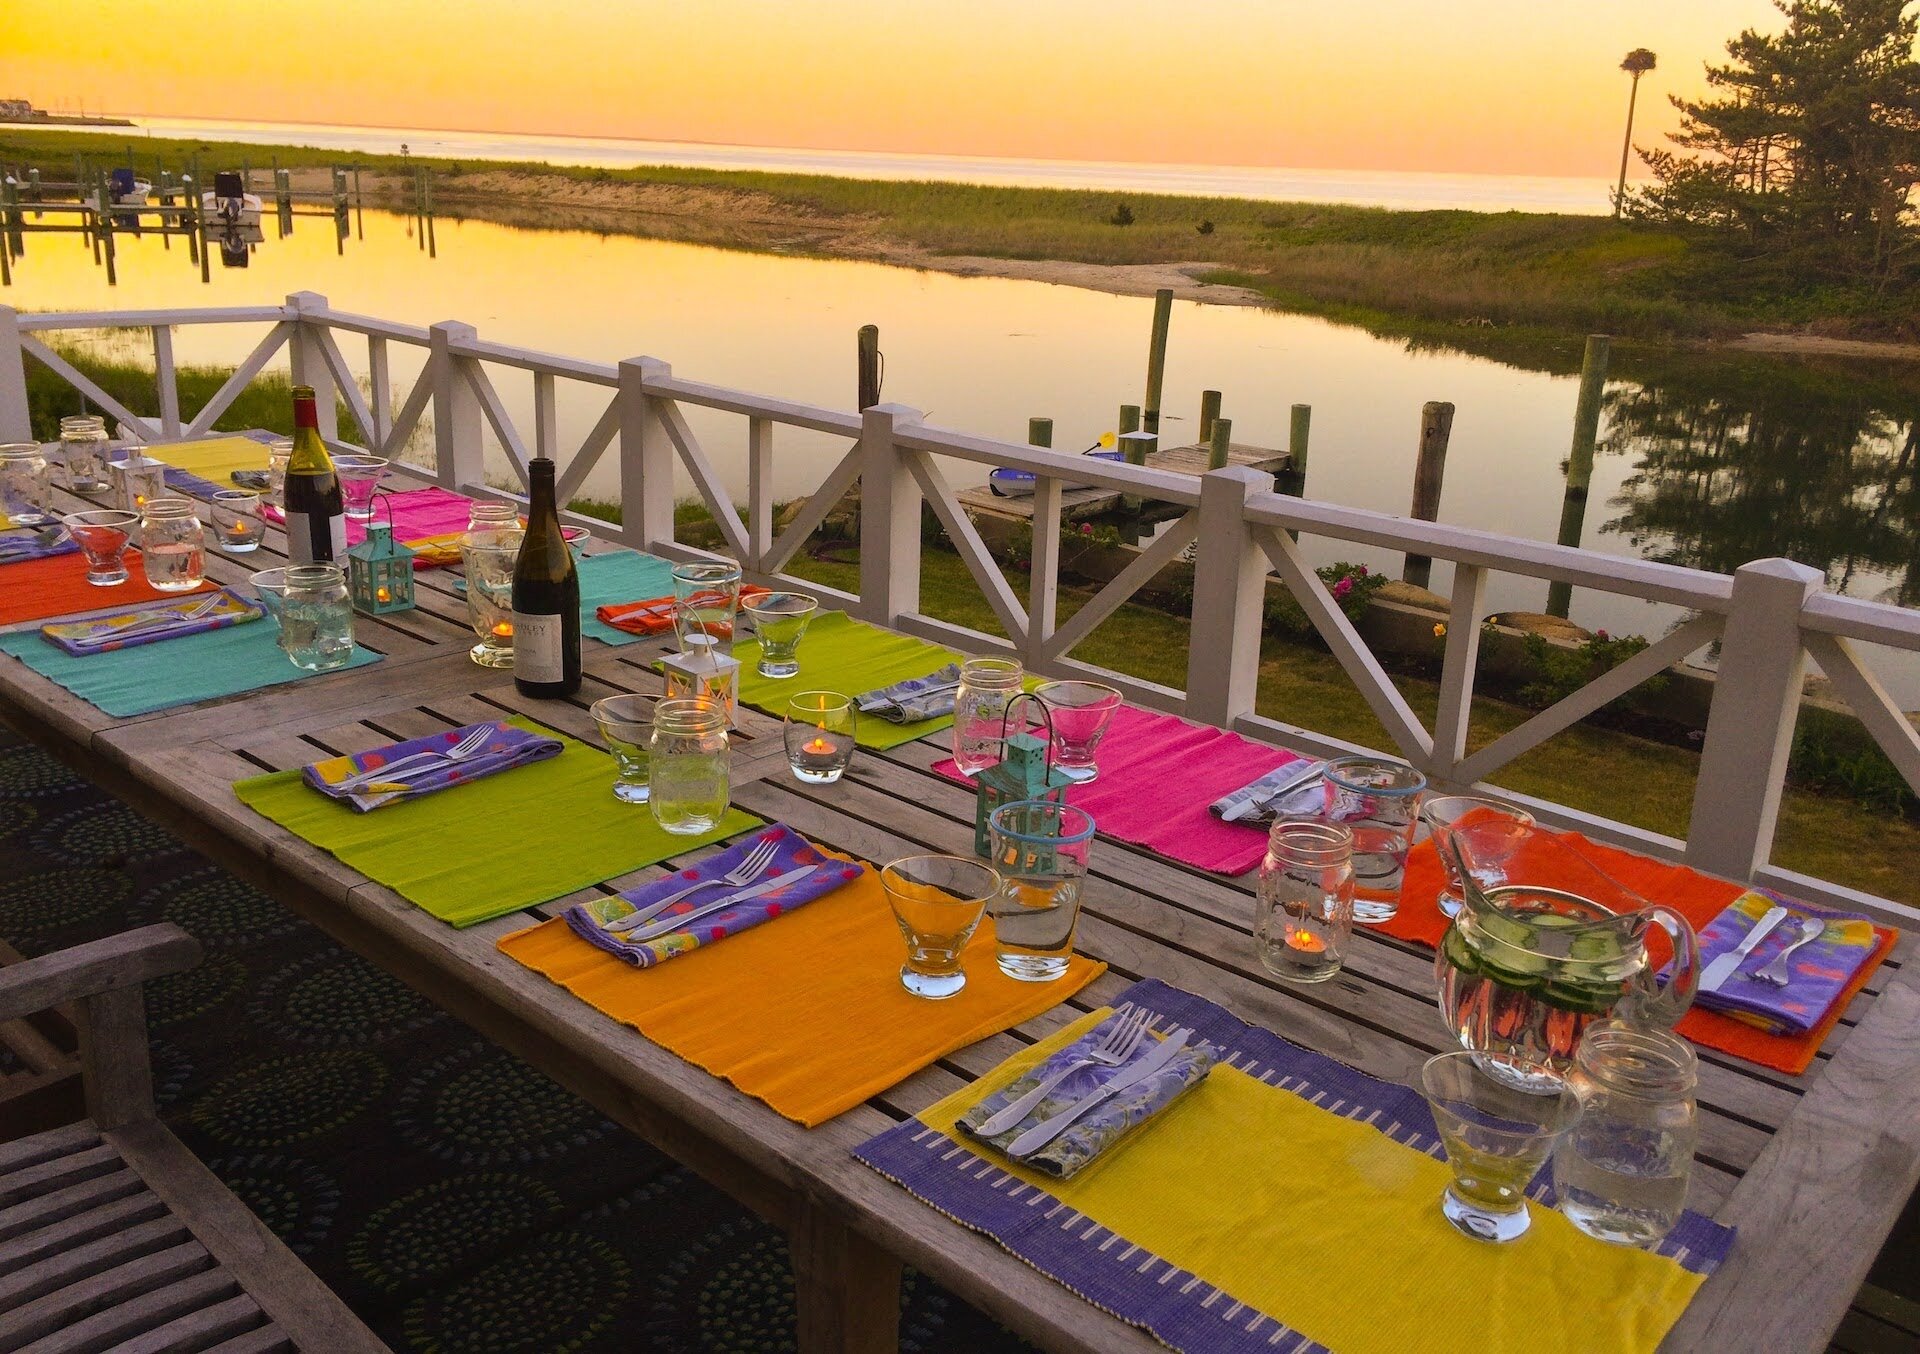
279	452
489	557
136	478
1081	713
706	601
1303	918
237	525
688	765
980	711
1040	849
316	617
1491	833
780	623
26	487
820	734
173	545
938	902
103	535
626	724
1377	801
83	453
359	476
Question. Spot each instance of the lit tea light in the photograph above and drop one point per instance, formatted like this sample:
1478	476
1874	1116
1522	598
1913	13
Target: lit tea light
384	595
822	758
503	629
239	531
1305	941
818	746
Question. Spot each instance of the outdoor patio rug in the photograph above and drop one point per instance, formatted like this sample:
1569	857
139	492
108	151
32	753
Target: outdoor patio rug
458	1200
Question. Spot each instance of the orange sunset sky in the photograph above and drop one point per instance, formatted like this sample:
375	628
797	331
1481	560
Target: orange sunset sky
1496	86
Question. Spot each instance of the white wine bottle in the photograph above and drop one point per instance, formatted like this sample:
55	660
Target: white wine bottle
546	597
316	521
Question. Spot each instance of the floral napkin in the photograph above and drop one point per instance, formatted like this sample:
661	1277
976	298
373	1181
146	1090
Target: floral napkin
589	920
654	616
504	747
1248	804
1101	1129
914	700
151	624
1818	974
24	543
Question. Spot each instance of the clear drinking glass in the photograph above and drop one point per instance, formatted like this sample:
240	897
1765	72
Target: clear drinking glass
1303	918
987	685
26	488
173	545
626	723
706	601
103	535
359	476
1081	713
780	622
1493	830
938	902
688	765
490	514
237	527
316	617
1040	849
270	587
489	558
1621	1172
83	453
1497	1139
820	736
279	452
1377	801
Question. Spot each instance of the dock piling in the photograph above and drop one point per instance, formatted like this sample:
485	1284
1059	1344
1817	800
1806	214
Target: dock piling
1219	443
1436	426
1209	411
1293	480
1136	447
1586	432
1129	420
1157	359
868	366
1039	432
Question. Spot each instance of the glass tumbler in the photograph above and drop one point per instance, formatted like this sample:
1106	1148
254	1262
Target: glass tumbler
489	558
279	452
1497	1139
237	527
987	686
103	535
1491	832
780	623
1081	713
626	723
26	488
706	601
270	588
688	765
820	733
1621	1172
938	902
173	545
1377	801
1040	849
1303	920
359	476
316	617
83	453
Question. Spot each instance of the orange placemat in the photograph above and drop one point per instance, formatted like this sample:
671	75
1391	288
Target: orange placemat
37	589
805	1012
1697	897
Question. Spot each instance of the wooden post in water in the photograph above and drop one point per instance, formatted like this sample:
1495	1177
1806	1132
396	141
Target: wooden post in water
1129	421
359	208
1156	359
867	365
1586	432
1293	480
187	200
200	231
426	193
1220	443
1136	446
1209	411
33	183
1436	426
106	231
1039	432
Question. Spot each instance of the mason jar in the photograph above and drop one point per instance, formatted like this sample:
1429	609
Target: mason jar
987	686
1621	1172
688	774
490	514
173	545
1303	921
316	617
25	489
83	453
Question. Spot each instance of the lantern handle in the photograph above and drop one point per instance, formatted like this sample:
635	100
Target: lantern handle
385	496
1046	719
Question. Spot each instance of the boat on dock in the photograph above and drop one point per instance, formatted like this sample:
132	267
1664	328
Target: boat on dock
230	203
1005	483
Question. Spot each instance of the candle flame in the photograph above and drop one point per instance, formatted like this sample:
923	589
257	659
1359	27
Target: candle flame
383	595
818	745
1304	940
503	629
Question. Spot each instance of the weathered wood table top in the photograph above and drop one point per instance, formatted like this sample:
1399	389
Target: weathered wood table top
1813	1169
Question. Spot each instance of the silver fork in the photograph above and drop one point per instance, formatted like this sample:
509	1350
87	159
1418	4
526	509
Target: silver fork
1116	1048
461	750
749	869
168	619
1777	972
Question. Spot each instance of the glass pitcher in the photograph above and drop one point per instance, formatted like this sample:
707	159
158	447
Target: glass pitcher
1525	968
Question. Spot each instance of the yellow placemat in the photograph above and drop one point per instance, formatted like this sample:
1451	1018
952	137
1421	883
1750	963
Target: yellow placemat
215	459
805	1012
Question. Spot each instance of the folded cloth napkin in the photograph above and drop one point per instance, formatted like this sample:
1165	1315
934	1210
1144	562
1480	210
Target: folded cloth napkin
914	700
1818	973
1255	804
654	616
43	542
503	747
151	624
589	920
1108	1124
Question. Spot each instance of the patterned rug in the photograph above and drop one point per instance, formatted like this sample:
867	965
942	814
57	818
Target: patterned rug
458	1200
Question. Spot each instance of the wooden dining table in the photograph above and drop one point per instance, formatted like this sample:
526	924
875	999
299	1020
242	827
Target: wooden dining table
1813	1169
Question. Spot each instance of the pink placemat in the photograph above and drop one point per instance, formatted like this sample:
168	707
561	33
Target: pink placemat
1158	773
418	514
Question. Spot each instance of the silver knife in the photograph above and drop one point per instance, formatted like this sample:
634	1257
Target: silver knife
1729	963
1309	773
667	925
1047	1130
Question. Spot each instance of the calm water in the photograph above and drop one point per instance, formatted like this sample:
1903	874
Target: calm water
1708	463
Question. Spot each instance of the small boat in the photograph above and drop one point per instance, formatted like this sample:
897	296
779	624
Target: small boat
126	190
230	203
1019	483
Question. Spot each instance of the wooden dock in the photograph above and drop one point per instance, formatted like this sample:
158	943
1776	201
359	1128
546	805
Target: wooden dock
1090	502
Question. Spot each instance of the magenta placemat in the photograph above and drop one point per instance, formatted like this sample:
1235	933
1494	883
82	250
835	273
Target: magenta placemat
1158	774
417	514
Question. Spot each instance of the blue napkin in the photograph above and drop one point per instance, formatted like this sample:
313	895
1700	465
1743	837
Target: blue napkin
505	747
905	703
25	543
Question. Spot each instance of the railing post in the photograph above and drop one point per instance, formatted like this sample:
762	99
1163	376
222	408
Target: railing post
759	490
459	456
646	457
166	380
1756	702
890	502
1229	592
309	364
16	417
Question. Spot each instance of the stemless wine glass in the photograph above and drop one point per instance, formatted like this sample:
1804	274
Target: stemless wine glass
359	476
1040	849
83	452
489	558
987	686
237	527
316	617
938	902
626	723
270	586
706	599
103	535
279	452
26	489
173	545
1491	831
820	736
780	623
1497	1139
688	768
1081	711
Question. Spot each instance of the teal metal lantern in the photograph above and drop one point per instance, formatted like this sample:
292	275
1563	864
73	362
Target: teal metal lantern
1025	771
380	569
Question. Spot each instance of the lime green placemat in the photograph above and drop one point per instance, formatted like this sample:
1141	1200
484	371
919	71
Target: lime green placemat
851	657
491	846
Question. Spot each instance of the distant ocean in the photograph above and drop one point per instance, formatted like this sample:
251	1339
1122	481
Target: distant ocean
1370	188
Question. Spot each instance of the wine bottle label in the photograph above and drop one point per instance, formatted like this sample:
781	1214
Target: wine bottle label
537	648
316	540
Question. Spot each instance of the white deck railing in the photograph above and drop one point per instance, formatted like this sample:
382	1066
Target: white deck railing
1767	617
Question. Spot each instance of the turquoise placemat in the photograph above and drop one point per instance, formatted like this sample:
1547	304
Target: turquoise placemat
622	576
181	671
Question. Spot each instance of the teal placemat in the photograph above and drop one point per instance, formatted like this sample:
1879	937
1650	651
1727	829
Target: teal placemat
181	671
622	576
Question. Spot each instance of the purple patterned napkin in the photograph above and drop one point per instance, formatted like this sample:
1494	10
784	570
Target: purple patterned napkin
151	623
25	543
792	852
420	766
1817	975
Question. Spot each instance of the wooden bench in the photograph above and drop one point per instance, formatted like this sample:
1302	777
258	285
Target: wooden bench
112	1235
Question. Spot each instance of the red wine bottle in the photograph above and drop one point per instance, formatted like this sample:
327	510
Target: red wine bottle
316	521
